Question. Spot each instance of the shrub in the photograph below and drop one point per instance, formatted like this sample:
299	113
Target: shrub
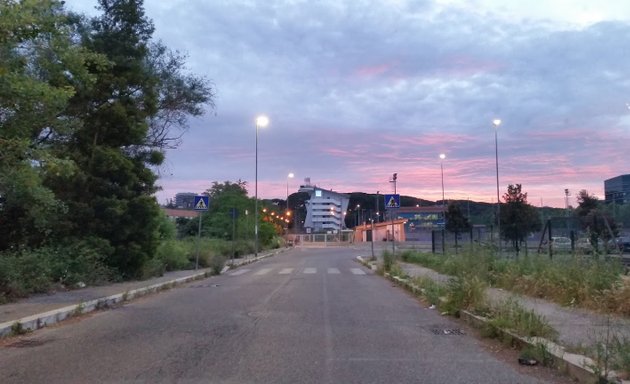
511	315
465	292
173	255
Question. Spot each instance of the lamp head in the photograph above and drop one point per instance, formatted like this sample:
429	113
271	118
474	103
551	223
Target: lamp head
262	121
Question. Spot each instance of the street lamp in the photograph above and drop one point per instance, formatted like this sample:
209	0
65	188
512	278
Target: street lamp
261	122
442	157
496	123
289	176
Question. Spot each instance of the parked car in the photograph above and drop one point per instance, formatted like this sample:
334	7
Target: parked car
560	243
623	243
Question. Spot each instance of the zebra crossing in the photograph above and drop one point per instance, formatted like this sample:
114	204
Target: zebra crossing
304	271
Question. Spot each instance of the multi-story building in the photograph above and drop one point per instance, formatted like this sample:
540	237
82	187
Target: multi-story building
325	209
617	189
185	200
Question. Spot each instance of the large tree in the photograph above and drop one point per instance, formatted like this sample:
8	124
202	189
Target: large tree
518	217
40	69
115	147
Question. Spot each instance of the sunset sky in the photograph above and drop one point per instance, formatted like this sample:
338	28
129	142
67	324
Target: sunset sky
358	90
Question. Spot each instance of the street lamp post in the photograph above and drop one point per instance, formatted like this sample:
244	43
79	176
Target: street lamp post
496	123
261	122
289	176
442	157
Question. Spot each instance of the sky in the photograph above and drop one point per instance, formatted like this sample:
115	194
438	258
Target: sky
358	90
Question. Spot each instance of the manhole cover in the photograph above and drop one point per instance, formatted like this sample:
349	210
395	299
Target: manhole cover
26	343
447	331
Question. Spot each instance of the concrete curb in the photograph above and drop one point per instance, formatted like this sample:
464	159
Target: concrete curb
578	367
41	320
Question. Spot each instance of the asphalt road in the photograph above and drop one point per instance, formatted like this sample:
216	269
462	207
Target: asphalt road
306	316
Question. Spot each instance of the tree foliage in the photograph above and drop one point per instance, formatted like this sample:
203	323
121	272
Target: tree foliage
518	217
87	108
597	223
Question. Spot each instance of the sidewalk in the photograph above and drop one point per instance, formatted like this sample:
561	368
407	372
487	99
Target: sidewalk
40	310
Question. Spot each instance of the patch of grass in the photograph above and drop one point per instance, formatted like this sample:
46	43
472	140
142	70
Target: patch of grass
18	329
388	261
432	291
512	316
465	292
582	282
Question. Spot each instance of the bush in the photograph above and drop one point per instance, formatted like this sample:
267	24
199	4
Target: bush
38	270
173	255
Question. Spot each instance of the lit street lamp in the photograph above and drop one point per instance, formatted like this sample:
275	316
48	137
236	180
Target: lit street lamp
496	123
261	122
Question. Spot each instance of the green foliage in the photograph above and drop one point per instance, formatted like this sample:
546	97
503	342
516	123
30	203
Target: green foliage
36	271
465	292
88	106
388	261
518	218
173	255
512	316
578	282
434	292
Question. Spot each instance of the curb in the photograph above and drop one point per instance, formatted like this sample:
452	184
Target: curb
41	320
578	367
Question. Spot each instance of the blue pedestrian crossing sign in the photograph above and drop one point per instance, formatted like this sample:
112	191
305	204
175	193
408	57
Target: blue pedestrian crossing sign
201	203
392	201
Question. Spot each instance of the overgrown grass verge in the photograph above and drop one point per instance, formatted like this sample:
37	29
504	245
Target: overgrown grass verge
582	282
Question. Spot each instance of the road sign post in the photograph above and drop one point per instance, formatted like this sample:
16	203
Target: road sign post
392	202
200	204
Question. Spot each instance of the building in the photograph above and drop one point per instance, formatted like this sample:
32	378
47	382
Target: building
185	200
381	231
421	221
325	209
174	214
617	189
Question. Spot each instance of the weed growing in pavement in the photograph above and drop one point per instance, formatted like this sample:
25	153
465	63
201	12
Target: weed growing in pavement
432	291
18	329
78	310
388	261
465	292
512	316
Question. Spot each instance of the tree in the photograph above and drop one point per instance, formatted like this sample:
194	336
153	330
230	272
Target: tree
456	222
40	69
518	217
597	224
114	146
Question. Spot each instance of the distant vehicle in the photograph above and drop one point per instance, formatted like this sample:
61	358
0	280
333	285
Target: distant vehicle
584	245
623	243
560	243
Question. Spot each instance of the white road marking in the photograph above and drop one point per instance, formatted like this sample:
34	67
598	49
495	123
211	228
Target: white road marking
263	271
357	271
286	271
310	271
333	271
240	272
